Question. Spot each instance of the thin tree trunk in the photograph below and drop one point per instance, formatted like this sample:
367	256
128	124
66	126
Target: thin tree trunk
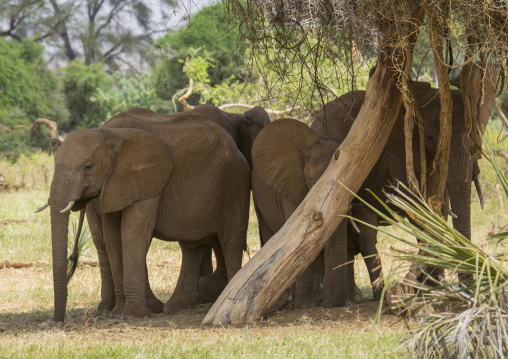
265	277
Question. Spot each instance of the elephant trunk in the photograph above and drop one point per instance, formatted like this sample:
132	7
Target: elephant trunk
59	232
60	195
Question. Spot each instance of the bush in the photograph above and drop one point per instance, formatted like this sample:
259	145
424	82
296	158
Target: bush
28	89
209	31
81	83
34	171
128	92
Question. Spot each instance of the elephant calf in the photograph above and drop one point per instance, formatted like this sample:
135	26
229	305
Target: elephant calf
288	159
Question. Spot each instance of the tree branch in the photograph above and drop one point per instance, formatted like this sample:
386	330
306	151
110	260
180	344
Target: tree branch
272	112
53	129
182	99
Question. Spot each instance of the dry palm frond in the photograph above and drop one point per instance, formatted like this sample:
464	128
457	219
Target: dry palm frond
462	319
465	318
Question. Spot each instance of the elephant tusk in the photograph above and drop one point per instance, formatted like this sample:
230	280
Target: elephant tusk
69	206
354	225
451	213
42	208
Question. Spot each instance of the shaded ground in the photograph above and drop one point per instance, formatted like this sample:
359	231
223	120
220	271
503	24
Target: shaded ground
358	317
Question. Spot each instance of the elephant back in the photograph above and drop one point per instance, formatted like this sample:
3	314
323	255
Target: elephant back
336	117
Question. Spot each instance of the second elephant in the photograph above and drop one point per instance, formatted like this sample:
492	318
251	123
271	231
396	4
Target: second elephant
288	159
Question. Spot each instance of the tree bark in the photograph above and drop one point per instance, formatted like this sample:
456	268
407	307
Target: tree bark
265	277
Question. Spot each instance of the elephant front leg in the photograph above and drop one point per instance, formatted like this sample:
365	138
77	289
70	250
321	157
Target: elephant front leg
185	294
152	302
335	281
111	223
108	298
137	226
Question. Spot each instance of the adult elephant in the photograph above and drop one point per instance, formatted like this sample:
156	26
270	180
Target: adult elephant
288	159
337	117
243	128
178	180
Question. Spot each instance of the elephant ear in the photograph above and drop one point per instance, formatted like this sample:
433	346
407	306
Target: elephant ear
258	115
278	157
141	169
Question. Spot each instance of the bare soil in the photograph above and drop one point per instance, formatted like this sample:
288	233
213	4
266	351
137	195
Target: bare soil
357	317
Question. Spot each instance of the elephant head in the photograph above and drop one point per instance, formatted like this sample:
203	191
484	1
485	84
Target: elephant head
288	160
288	157
120	166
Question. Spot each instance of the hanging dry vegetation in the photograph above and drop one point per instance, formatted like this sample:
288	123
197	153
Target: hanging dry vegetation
467	36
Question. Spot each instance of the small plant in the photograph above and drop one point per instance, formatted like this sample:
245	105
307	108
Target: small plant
78	249
463	317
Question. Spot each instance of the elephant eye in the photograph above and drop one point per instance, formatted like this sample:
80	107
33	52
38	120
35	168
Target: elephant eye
88	167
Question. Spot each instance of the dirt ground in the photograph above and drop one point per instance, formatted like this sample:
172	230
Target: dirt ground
358	317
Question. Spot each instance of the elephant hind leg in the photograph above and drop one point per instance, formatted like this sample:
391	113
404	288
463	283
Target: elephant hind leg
211	286
367	240
304	294
185	294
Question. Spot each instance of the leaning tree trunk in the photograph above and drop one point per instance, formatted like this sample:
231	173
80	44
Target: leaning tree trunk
265	277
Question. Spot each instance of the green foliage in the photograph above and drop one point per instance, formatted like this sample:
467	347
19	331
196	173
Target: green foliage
209	31
81	83
28	89
264	86
128	92
23	142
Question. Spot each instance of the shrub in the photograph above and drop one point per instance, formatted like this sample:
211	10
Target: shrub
81	83
34	171
128	92
28	89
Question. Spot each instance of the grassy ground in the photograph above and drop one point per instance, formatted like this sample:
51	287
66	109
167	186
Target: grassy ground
26	304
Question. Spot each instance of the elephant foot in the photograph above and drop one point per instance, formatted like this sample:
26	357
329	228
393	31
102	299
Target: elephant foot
154	304
305	302
135	310
377	293
105	306
116	312
210	287
175	304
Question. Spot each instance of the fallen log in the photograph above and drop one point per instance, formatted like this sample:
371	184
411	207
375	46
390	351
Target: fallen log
18	265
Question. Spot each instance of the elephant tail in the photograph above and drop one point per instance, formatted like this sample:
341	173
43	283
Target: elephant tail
476	180
73	259
479	191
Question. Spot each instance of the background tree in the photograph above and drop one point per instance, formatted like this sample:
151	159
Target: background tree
105	31
211	33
